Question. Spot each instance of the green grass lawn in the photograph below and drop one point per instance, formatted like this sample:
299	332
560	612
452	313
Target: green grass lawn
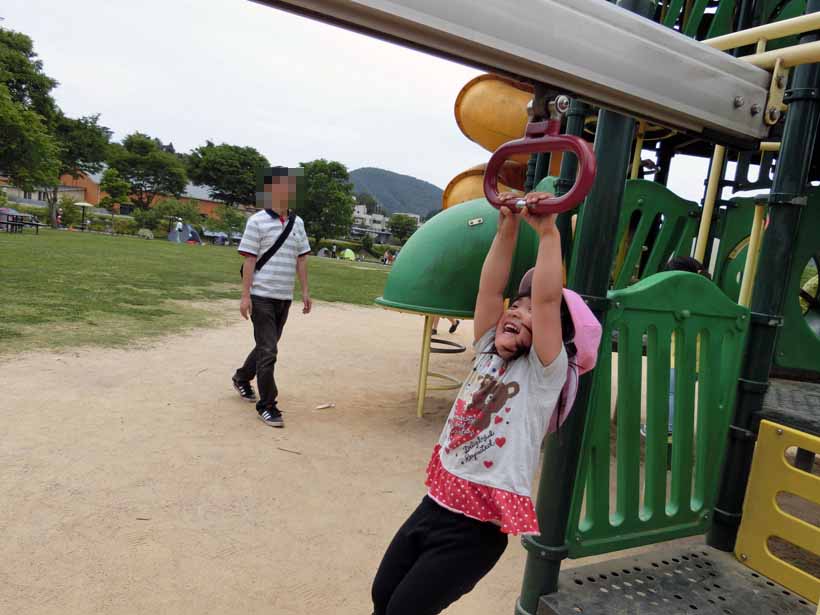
62	289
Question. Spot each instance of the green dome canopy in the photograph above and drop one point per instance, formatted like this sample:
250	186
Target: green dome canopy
438	270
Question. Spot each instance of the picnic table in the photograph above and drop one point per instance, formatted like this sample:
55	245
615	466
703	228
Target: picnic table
16	223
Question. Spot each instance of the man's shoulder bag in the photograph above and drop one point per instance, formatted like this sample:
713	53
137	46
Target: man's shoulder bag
260	262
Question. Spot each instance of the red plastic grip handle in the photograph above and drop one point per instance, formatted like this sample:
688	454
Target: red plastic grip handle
544	137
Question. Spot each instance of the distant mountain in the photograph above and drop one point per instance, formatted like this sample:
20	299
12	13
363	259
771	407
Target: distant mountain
397	193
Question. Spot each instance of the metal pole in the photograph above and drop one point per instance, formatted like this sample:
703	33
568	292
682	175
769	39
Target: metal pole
712	189
636	157
589	276
752	257
787	198
424	365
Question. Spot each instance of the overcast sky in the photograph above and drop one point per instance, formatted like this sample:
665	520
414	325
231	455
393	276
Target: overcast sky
234	71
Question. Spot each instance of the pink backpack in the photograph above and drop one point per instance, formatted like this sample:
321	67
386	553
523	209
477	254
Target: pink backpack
587	340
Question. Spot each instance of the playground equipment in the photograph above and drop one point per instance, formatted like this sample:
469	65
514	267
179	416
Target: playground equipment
734	420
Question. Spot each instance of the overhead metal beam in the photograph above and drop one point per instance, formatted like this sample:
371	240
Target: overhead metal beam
589	48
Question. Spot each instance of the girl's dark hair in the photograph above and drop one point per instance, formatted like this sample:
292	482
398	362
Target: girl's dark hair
687	263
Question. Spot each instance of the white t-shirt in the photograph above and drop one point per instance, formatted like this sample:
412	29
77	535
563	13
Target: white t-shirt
275	280
494	432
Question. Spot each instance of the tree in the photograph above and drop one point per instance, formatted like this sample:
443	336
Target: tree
28	152
82	146
228	220
117	189
366	199
229	171
402	226
22	73
325	201
149	170
367	243
159	216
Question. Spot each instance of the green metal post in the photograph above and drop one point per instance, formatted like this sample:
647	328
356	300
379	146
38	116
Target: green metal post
786	201
589	276
576	119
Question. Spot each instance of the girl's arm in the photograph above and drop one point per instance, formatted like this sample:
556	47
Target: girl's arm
547	284
495	273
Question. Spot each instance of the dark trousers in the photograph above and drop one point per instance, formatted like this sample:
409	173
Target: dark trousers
436	557
269	317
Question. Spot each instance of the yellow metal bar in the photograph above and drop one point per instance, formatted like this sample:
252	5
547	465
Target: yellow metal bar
421	390
807	53
752	257
636	157
761	46
763	518
770	146
770	32
715	175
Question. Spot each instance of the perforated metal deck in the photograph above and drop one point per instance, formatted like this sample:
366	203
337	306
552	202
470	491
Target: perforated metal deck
794	404
695	581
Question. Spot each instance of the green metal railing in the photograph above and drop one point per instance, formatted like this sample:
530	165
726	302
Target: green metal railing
655	502
650	208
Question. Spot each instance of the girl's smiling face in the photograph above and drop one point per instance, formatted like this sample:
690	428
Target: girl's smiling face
513	333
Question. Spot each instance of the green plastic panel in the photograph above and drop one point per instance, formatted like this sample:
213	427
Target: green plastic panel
798	343
650	205
633	498
722	22
695	18
438	269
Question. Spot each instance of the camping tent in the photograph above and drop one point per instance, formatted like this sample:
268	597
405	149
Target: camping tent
348	255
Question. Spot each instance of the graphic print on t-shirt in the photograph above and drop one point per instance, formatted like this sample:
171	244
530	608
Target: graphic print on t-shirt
471	419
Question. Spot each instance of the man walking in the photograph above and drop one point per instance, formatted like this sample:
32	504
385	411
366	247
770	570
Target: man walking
275	247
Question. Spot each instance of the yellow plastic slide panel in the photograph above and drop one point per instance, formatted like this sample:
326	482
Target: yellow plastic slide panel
491	110
469	185
763	518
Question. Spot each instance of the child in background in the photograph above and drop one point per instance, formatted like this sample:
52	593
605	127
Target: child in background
480	475
453	324
692	265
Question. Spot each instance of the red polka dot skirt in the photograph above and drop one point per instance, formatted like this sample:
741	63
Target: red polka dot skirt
514	513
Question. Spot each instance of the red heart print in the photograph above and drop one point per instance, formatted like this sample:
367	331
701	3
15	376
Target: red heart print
500	442
506	409
498	419
488	464
501	371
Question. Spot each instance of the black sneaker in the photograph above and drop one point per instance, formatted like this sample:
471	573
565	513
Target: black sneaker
454	326
245	390
272	417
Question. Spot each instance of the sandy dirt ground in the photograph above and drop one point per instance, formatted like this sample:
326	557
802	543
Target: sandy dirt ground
136	481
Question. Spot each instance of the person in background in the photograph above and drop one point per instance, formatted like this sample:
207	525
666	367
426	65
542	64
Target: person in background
267	293
454	323
692	265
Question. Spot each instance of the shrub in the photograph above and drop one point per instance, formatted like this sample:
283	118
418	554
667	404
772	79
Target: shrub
125	226
72	215
145	233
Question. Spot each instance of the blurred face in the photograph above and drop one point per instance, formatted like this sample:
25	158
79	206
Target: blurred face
513	333
281	190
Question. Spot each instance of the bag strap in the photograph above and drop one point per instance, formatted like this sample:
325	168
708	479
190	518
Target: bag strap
278	243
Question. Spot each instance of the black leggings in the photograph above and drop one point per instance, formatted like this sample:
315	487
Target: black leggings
436	557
